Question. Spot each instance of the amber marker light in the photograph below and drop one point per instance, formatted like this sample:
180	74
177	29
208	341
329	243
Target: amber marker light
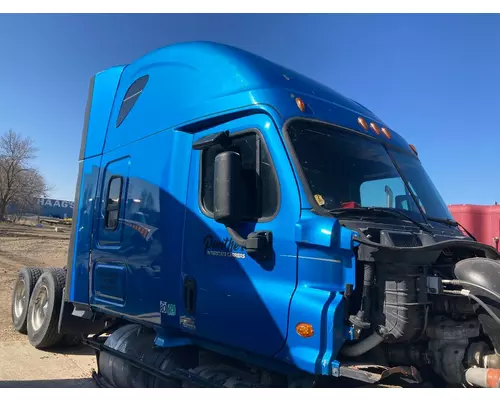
304	330
375	128
363	123
414	149
386	132
300	104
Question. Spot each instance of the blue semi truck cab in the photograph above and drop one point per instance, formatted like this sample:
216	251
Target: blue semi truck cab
232	210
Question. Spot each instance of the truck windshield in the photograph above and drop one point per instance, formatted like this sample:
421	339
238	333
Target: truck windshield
344	169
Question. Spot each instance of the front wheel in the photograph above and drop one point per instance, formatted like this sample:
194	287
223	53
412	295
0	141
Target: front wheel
44	308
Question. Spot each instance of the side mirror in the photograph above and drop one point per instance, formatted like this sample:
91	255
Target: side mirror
228	189
400	200
229	203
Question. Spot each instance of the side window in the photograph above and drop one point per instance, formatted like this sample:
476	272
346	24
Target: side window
133	93
113	203
261	185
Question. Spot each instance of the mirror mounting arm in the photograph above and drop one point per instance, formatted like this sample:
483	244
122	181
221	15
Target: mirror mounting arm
219	138
238	239
258	245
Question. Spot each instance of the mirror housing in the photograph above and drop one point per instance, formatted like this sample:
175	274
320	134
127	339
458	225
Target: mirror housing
400	199
228	188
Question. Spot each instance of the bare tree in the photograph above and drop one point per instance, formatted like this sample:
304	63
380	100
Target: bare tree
20	183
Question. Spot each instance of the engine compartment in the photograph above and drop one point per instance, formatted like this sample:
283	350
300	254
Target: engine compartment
417	303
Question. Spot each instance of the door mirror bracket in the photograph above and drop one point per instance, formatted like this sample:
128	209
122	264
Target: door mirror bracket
257	245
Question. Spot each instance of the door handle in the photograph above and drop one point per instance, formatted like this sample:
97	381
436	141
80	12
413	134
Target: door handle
190	295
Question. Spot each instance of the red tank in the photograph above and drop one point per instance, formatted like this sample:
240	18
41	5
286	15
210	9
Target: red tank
482	221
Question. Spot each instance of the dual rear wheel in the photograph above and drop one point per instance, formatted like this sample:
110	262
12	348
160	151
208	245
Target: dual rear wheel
23	288
36	304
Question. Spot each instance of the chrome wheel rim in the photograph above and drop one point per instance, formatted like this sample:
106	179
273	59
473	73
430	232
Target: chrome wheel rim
40	308
19	297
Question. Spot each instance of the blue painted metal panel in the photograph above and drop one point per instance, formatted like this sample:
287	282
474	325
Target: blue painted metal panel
326	264
102	93
188	81
324	310
79	262
149	237
242	303
104	90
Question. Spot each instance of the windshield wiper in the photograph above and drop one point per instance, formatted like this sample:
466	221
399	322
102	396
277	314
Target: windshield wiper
380	210
451	222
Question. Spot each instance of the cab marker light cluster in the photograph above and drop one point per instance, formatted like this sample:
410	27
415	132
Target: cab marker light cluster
374	127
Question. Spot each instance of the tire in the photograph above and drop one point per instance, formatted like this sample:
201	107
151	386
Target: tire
173	358
44	308
136	342
71	340
21	295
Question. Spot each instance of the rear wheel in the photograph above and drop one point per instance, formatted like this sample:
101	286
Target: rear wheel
44	308
23	289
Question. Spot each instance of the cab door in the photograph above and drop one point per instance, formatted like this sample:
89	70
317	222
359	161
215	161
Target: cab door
230	297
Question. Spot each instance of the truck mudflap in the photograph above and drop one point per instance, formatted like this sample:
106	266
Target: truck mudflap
72	322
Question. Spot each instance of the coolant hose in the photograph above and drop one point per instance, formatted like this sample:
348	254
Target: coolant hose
362	347
362	319
367	285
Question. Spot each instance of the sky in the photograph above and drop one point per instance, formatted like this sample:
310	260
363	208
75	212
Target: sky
435	79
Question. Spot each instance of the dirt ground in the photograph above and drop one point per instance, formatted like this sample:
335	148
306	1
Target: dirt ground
22	365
